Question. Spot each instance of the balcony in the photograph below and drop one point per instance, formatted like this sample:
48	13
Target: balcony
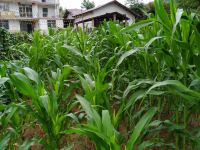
26	14
11	15
46	2
7	14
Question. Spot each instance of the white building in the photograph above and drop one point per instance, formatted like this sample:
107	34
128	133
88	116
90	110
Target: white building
27	15
112	10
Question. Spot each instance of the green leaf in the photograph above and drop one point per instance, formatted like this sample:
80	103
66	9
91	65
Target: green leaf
140	126
172	10
45	101
133	98
152	40
107	124
137	26
27	144
145	144
66	71
4	141
167	82
90	111
178	18
161	12
74	50
68	147
31	74
11	113
180	88
23	84
136	84
3	80
126	54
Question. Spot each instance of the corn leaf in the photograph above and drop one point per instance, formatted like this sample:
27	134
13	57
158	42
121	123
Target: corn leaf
23	84
140	126
3	80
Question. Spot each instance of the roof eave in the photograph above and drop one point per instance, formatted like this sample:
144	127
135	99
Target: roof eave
114	1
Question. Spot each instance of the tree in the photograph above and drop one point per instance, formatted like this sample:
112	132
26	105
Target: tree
189	4
61	12
133	2
137	7
87	4
150	7
66	13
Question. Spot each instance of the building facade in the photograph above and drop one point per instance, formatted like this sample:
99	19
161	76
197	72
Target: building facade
28	15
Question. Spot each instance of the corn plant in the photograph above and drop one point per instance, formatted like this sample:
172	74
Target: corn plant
101	130
44	105
126	76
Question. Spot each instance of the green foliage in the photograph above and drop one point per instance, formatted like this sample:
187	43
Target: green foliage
62	12
137	7
140	126
45	105
7	41
189	4
87	4
132	87
101	130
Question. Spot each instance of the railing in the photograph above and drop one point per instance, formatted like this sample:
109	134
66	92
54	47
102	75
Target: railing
26	14
7	14
13	14
48	2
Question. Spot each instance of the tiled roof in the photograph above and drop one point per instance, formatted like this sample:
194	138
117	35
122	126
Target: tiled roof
73	12
113	1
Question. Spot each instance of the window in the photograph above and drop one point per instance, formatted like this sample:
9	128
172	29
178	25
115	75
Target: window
4	24
25	10
26	26
45	12
4	7
51	23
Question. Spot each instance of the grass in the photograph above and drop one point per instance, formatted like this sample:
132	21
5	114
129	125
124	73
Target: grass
132	87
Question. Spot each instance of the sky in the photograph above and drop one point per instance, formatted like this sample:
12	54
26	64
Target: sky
77	3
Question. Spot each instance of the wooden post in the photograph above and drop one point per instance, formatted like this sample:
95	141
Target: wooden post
114	17
93	25
83	25
126	23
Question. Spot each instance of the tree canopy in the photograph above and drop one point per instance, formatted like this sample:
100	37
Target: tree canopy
87	4
189	4
136	6
61	12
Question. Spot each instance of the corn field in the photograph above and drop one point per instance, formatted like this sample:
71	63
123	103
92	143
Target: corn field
118	87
